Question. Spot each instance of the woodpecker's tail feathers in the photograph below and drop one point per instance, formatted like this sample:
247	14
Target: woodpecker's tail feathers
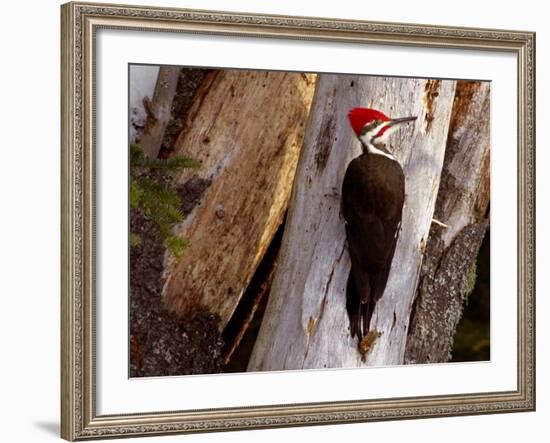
360	307
353	306
360	303
366	314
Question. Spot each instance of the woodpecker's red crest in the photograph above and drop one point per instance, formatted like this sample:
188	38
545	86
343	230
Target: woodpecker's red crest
360	117
371	125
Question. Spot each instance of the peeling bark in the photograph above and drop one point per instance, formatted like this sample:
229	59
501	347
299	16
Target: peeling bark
462	205
306	323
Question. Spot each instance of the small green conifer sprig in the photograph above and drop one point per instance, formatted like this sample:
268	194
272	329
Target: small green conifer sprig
157	197
169	166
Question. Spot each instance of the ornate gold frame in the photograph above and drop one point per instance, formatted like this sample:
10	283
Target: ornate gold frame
79	420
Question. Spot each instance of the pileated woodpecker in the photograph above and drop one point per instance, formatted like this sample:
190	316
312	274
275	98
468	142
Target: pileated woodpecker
373	193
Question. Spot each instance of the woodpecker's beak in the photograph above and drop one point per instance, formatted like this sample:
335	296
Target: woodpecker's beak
396	121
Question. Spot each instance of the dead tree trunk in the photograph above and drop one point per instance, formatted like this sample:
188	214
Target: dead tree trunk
246	128
305	324
448	272
159	110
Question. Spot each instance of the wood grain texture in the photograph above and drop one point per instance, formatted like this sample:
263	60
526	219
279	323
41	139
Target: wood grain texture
246	128
462	205
306	324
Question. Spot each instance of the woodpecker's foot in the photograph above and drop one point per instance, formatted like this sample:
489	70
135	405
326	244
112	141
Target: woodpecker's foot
365	345
438	223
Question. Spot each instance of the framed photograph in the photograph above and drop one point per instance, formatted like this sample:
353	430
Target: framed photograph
281	221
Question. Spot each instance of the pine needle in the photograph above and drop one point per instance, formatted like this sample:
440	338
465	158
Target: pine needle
158	199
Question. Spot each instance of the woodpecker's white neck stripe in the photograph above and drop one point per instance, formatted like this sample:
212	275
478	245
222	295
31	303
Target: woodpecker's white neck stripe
371	149
367	138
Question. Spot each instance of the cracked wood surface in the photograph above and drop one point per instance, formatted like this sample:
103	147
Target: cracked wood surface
462	205
246	127
306	324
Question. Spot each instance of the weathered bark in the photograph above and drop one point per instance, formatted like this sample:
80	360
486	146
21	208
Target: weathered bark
306	323
462	203
159	110
246	128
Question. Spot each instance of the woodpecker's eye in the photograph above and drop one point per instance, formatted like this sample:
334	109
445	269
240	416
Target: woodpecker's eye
370	126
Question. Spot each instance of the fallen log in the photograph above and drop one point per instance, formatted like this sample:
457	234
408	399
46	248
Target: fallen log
246	129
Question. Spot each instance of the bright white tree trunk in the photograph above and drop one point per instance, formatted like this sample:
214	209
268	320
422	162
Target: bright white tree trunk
306	324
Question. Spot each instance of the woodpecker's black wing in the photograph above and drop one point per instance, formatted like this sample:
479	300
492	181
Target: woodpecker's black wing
373	193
